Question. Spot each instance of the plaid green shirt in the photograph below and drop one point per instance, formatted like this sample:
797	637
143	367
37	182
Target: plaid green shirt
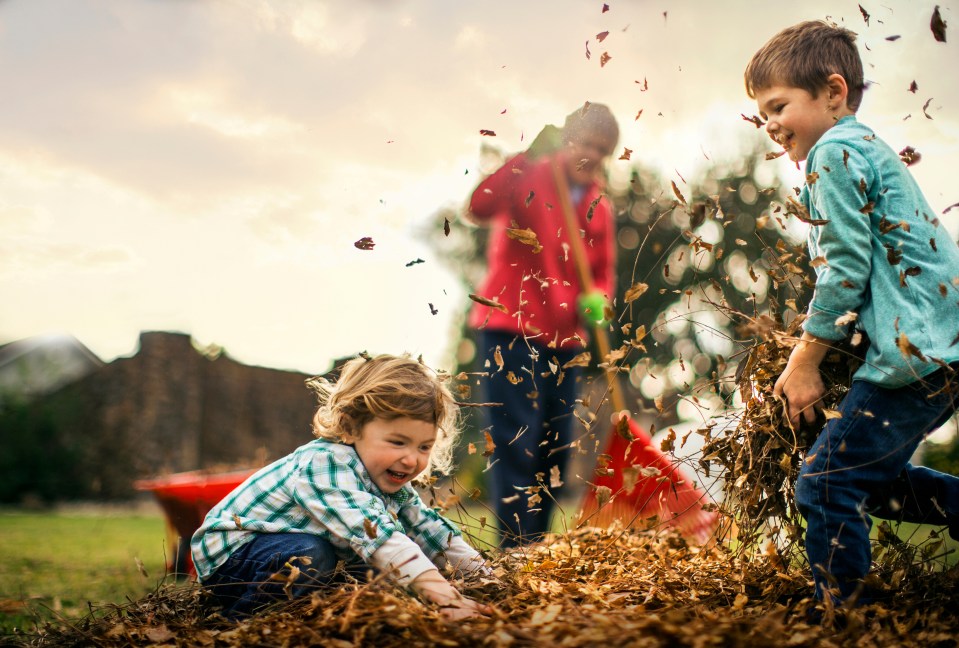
322	488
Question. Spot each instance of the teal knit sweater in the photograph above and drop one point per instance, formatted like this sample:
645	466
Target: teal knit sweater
883	255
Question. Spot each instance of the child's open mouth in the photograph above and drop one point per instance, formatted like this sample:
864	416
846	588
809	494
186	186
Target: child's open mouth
398	477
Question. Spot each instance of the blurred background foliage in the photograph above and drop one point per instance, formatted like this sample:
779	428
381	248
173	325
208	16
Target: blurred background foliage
710	252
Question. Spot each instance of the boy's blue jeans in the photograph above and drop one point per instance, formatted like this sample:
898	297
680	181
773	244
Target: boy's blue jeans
532	431
859	466
244	582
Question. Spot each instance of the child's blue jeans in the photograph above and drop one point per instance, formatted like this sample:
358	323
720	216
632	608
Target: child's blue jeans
244	582
859	466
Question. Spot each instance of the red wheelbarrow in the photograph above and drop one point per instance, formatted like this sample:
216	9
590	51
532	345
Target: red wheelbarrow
185	499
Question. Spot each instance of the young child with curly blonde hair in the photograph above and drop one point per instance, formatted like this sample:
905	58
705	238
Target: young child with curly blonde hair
346	496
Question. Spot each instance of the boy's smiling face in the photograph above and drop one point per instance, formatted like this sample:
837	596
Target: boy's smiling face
394	451
795	119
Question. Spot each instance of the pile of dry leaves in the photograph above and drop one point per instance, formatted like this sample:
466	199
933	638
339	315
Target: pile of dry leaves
586	588
761	453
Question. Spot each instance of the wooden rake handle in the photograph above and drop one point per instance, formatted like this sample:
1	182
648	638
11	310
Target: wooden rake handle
585	276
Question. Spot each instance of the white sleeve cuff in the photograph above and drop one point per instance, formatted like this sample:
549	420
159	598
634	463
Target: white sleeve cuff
462	558
401	558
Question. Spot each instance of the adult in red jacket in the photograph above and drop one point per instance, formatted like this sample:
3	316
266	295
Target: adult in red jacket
545	306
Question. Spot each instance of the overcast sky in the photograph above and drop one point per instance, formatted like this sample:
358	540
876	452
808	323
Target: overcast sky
206	167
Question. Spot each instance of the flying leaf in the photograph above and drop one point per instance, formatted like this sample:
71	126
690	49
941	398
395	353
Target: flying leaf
907	348
909	156
772	155
490	446
365	243
446	227
755	120
645	85
488	302
893	38
592	208
529	198
678	193
797	209
848	318
938	26
581	360
818	261
604	59
370	528
638	114
432	309
487	132
626	153
603	495
601	36
555	478
635	291
926	105
414	262
865	15
605	8
526	237
913	87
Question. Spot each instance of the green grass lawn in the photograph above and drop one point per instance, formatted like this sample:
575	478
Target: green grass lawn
55	563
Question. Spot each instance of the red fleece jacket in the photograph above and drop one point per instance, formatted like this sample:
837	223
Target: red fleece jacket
539	289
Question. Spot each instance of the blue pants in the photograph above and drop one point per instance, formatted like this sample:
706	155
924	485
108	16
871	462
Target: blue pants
243	583
859	467
532	431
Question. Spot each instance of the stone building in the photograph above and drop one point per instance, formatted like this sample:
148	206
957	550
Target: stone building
167	408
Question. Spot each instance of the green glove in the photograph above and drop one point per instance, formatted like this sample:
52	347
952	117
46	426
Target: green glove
592	306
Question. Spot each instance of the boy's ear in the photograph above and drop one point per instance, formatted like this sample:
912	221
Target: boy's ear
837	90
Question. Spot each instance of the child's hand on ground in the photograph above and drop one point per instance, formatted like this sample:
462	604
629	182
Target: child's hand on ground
454	606
465	608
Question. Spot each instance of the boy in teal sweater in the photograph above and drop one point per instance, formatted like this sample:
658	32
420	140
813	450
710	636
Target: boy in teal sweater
889	266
